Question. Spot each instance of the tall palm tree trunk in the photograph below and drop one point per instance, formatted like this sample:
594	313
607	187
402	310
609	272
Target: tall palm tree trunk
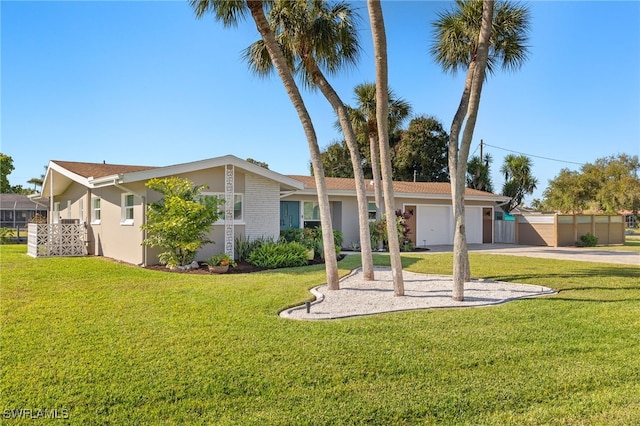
356	162
382	117
467	111
279	61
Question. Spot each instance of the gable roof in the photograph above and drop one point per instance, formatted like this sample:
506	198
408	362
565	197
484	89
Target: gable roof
441	190
98	170
96	175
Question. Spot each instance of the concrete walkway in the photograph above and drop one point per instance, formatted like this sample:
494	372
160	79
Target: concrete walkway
561	253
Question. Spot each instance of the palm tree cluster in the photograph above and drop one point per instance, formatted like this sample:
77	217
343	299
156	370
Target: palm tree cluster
310	39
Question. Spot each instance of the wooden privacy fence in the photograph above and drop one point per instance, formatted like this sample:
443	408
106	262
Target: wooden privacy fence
557	230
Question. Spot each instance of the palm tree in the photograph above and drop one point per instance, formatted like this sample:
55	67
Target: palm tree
472	37
363	117
518	179
313	34
479	173
229	12
382	117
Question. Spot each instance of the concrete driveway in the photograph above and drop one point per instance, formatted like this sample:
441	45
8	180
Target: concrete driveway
562	253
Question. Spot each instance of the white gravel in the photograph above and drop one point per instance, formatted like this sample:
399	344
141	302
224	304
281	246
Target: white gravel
357	297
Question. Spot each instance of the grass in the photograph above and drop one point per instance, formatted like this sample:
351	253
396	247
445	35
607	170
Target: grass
114	344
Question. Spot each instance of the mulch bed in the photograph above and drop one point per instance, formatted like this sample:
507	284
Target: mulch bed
242	268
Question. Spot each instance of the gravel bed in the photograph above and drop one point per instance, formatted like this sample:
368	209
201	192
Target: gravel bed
357	297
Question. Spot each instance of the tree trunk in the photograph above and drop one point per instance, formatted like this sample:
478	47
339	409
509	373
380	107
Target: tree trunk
280	63
382	117
376	178
468	109
356	162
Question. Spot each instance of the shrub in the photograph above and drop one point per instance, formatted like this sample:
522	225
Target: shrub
221	259
179	223
6	235
279	255
244	246
311	238
588	240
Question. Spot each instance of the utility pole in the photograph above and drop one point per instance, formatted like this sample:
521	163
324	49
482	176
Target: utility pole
481	150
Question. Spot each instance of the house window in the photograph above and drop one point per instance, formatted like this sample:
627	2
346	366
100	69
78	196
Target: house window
372	210
311	214
56	212
81	210
127	209
238	204
95	211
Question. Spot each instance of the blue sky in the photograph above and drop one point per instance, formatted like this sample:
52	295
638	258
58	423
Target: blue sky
146	83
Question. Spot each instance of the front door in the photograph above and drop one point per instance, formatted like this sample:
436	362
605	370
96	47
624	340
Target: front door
289	214
487	225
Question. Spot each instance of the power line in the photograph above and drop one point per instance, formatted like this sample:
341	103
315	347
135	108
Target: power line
535	156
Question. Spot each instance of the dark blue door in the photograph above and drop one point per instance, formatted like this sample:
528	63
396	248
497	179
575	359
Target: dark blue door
289	214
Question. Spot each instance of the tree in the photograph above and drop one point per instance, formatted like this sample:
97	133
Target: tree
258	163
382	118
6	167
479	173
363	117
609	184
179	223
472	38
230	13
336	161
565	193
314	35
518	181
421	154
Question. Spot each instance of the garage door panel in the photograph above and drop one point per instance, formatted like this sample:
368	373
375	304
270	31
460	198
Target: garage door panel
434	225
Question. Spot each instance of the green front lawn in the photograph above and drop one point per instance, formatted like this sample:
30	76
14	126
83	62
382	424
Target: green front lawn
114	344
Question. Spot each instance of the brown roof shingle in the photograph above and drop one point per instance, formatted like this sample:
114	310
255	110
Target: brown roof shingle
97	170
348	184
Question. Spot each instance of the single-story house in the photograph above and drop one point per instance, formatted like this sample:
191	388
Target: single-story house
110	200
17	210
428	203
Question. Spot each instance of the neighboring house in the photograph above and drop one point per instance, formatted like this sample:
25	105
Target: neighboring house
110	200
17	210
428	203
631	218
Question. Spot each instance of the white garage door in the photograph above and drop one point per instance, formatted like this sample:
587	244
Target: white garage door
434	225
473	224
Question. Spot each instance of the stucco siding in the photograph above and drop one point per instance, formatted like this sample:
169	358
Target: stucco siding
261	207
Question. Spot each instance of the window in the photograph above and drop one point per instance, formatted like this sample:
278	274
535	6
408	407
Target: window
56	212
95	211
81	210
311	214
238	204
372	210
127	209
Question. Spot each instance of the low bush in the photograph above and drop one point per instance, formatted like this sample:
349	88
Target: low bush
6	235
279	255
243	246
588	240
311	238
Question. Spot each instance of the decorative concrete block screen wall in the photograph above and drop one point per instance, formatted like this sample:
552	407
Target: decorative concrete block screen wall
557	230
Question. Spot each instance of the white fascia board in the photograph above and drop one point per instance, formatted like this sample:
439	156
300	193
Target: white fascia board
54	167
178	169
105	181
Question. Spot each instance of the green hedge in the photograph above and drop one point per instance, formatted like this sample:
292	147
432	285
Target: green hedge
279	255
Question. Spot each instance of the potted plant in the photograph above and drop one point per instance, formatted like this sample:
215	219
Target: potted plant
220	263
